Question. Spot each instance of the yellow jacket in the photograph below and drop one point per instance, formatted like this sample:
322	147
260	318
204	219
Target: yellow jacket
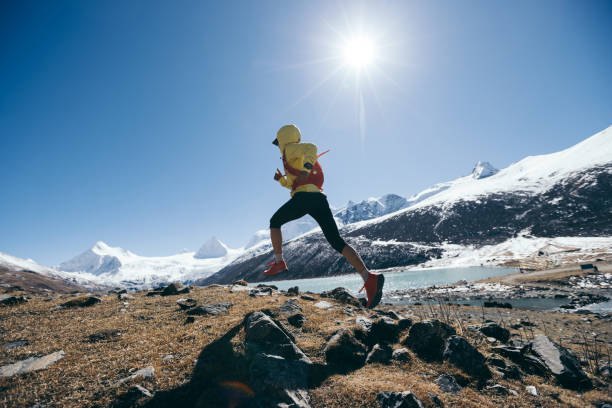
297	154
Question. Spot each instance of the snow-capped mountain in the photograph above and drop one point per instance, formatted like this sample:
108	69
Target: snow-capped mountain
370	208
118	266
483	170
563	194
31	276
213	248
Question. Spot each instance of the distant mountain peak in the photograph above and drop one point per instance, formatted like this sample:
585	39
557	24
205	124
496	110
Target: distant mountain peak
213	248
483	169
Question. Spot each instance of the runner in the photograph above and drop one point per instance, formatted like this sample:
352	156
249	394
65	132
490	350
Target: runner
304	177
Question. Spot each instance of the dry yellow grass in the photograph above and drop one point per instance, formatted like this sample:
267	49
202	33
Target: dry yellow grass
154	327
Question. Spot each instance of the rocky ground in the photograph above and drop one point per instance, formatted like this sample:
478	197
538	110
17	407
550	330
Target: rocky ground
222	346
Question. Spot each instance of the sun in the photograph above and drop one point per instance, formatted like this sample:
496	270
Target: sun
359	52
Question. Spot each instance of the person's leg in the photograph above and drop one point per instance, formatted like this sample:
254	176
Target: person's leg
291	210
373	282
320	211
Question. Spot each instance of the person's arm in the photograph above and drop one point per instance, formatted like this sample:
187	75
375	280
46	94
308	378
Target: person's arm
278	176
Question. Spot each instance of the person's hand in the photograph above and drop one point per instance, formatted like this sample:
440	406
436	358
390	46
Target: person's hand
301	177
277	175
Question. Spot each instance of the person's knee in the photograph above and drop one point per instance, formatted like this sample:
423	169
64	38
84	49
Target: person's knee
338	244
275	222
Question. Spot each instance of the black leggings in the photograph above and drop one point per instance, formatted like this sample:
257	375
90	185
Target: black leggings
316	205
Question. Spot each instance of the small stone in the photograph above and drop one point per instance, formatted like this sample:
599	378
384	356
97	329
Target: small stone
308	297
103	335
211	309
494	330
31	364
447	383
532	390
323	305
13	344
190	319
290	307
241	282
404	399
186	303
146	372
137	389
401	355
297	320
124	296
380	353
499	389
293	291
82	302
168	357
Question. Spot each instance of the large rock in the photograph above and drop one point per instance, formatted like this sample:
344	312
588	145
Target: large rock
344	350
279	382
496	331
211	309
31	364
380	353
404	399
560	362
461	353
341	294
382	330
278	368
427	339
82	302
265	335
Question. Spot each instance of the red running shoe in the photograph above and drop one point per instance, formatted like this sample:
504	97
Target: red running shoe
275	268
373	287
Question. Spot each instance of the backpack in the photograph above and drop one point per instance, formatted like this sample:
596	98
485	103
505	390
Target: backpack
314	177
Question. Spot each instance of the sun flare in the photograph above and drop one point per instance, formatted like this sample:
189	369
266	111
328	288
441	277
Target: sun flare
359	52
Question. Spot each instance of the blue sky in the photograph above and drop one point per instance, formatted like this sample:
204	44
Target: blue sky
147	124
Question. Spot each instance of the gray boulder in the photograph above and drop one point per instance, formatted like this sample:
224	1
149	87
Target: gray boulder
380	353
297	320
344	350
211	309
265	335
427	339
447	383
82	302
561	362
402	355
186	303
290	307
404	399
31	364
496	331
342	295
279	382
461	353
